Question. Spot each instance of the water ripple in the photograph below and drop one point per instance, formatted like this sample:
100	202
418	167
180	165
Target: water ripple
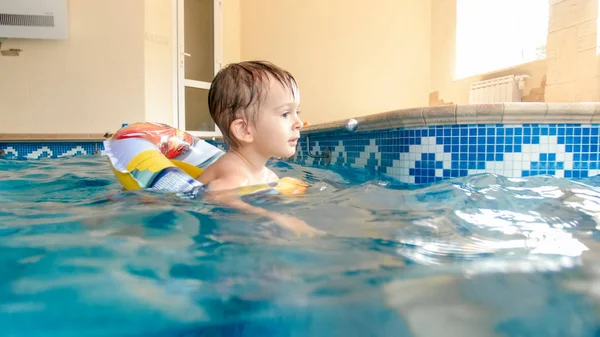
79	256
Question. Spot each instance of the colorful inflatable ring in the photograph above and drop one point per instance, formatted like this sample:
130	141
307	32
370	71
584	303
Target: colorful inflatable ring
160	157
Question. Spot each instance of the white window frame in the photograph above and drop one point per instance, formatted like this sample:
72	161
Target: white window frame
179	81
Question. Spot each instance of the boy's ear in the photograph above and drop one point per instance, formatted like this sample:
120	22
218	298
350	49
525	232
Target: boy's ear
241	131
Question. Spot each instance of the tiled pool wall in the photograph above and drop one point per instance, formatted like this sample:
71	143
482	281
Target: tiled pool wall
49	149
424	145
433	153
57	149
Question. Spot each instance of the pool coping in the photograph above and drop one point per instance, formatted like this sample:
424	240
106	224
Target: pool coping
491	113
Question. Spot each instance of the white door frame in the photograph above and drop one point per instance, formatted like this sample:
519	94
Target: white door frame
179	55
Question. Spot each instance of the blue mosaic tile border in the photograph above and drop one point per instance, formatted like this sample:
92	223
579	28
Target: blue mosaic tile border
434	153
421	154
37	150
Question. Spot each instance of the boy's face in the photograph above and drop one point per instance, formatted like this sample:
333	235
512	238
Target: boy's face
277	127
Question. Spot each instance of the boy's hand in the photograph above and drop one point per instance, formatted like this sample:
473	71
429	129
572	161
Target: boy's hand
291	223
295	225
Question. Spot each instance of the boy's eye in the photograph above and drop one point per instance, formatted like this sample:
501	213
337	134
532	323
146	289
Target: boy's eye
287	114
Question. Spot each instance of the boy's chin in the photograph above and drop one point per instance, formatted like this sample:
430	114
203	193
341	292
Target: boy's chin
291	153
285	155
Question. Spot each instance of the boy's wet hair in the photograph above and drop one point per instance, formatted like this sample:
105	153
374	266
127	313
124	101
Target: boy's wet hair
241	87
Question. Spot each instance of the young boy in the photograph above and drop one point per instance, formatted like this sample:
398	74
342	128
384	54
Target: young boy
255	105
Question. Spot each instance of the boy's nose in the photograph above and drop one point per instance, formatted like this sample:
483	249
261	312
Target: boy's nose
298	125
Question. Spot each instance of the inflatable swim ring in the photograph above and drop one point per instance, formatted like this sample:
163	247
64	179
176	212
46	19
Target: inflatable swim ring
160	157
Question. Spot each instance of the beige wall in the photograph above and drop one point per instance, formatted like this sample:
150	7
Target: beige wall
158	61
443	51
107	72
89	83
350	57
572	58
231	31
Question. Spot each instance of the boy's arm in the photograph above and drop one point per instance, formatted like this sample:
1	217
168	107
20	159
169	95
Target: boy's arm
222	192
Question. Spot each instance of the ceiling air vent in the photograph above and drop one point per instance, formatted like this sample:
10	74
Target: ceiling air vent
26	20
33	19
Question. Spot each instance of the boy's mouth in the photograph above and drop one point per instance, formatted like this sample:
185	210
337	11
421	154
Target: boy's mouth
294	140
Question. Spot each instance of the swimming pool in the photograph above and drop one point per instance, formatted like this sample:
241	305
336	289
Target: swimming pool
482	255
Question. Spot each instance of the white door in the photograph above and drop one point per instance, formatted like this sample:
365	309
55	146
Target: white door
199	55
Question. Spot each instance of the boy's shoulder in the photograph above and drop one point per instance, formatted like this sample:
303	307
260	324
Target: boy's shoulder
223	171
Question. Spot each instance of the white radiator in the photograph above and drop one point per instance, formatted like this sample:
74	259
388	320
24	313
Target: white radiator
500	89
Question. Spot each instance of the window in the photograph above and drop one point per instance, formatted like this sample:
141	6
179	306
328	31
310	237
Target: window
497	34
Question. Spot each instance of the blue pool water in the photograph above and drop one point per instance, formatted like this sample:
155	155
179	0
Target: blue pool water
476	256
